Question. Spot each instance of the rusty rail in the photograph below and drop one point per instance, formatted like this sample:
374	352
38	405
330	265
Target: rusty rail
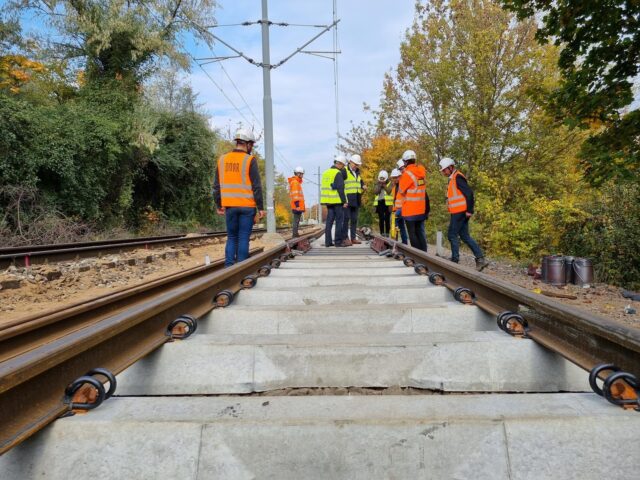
38	254
583	338
41	356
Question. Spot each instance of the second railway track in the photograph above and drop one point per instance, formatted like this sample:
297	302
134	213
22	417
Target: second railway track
342	364
38	254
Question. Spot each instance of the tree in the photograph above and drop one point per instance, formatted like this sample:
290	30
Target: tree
469	86
599	60
124	39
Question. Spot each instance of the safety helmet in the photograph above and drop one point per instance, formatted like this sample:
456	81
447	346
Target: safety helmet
298	170
383	175
341	159
244	135
395	173
357	159
400	164
409	155
446	162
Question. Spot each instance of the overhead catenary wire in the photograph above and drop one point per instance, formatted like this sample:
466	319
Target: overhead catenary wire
336	47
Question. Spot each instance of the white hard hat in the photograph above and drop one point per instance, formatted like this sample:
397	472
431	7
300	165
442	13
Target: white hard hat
341	159
298	170
409	155
383	175
446	162
395	173
244	135
400	164
357	159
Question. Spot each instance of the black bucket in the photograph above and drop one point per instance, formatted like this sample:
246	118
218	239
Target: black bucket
554	270
568	269
582	271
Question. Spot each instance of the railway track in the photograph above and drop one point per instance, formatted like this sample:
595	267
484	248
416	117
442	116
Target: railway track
38	254
341	363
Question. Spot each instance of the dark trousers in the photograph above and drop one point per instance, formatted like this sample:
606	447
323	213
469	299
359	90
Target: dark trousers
417	234
403	229
459	230
384	217
239	222
350	222
335	213
296	223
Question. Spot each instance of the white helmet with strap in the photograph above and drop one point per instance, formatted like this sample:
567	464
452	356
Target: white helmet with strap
395	173
446	162
244	135
357	159
341	159
383	175
400	163
409	155
298	170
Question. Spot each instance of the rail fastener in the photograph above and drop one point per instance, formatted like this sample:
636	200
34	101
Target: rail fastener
581	337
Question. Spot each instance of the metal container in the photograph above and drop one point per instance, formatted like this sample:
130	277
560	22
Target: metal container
554	270
568	269
582	271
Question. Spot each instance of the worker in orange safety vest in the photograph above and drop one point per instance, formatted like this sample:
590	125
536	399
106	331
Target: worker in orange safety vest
460	203
297	198
237	192
415	202
398	221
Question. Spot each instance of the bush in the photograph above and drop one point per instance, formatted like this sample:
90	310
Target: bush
611	235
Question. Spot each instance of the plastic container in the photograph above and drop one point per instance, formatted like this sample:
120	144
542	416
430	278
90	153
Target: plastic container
582	271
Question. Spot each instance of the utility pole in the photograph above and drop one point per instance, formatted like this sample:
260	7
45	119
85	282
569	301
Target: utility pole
319	196
267	66
267	106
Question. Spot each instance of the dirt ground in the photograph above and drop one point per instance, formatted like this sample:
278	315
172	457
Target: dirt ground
598	298
47	287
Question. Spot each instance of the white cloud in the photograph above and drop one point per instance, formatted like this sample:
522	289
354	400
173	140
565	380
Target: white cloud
302	89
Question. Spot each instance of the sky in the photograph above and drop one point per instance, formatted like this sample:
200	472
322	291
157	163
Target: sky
370	32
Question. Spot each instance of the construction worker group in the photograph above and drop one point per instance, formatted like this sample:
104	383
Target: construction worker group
400	200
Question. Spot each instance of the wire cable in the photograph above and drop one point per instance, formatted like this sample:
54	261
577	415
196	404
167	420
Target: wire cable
335	71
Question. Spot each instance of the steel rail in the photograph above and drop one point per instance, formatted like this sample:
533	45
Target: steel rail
41	360
583	338
38	254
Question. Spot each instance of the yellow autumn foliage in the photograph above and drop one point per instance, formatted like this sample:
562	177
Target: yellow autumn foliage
16	70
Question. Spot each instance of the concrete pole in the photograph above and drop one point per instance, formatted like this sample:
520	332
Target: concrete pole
319	194
268	120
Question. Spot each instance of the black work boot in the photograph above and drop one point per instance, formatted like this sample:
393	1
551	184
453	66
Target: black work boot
481	263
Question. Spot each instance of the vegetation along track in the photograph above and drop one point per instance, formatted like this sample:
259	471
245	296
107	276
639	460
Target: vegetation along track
342	363
37	254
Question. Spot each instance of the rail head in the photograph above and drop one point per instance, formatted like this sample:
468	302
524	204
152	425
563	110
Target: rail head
41	370
577	333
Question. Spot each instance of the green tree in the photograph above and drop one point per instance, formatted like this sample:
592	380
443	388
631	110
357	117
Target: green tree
599	60
469	86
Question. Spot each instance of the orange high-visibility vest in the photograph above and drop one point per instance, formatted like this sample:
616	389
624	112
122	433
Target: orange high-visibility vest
456	201
296	193
412	185
235	184
398	198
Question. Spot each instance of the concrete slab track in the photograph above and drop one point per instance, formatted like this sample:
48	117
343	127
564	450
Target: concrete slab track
338	318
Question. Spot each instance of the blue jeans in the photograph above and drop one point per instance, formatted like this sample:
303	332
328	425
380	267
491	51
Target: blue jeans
239	225
402	227
459	230
335	213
